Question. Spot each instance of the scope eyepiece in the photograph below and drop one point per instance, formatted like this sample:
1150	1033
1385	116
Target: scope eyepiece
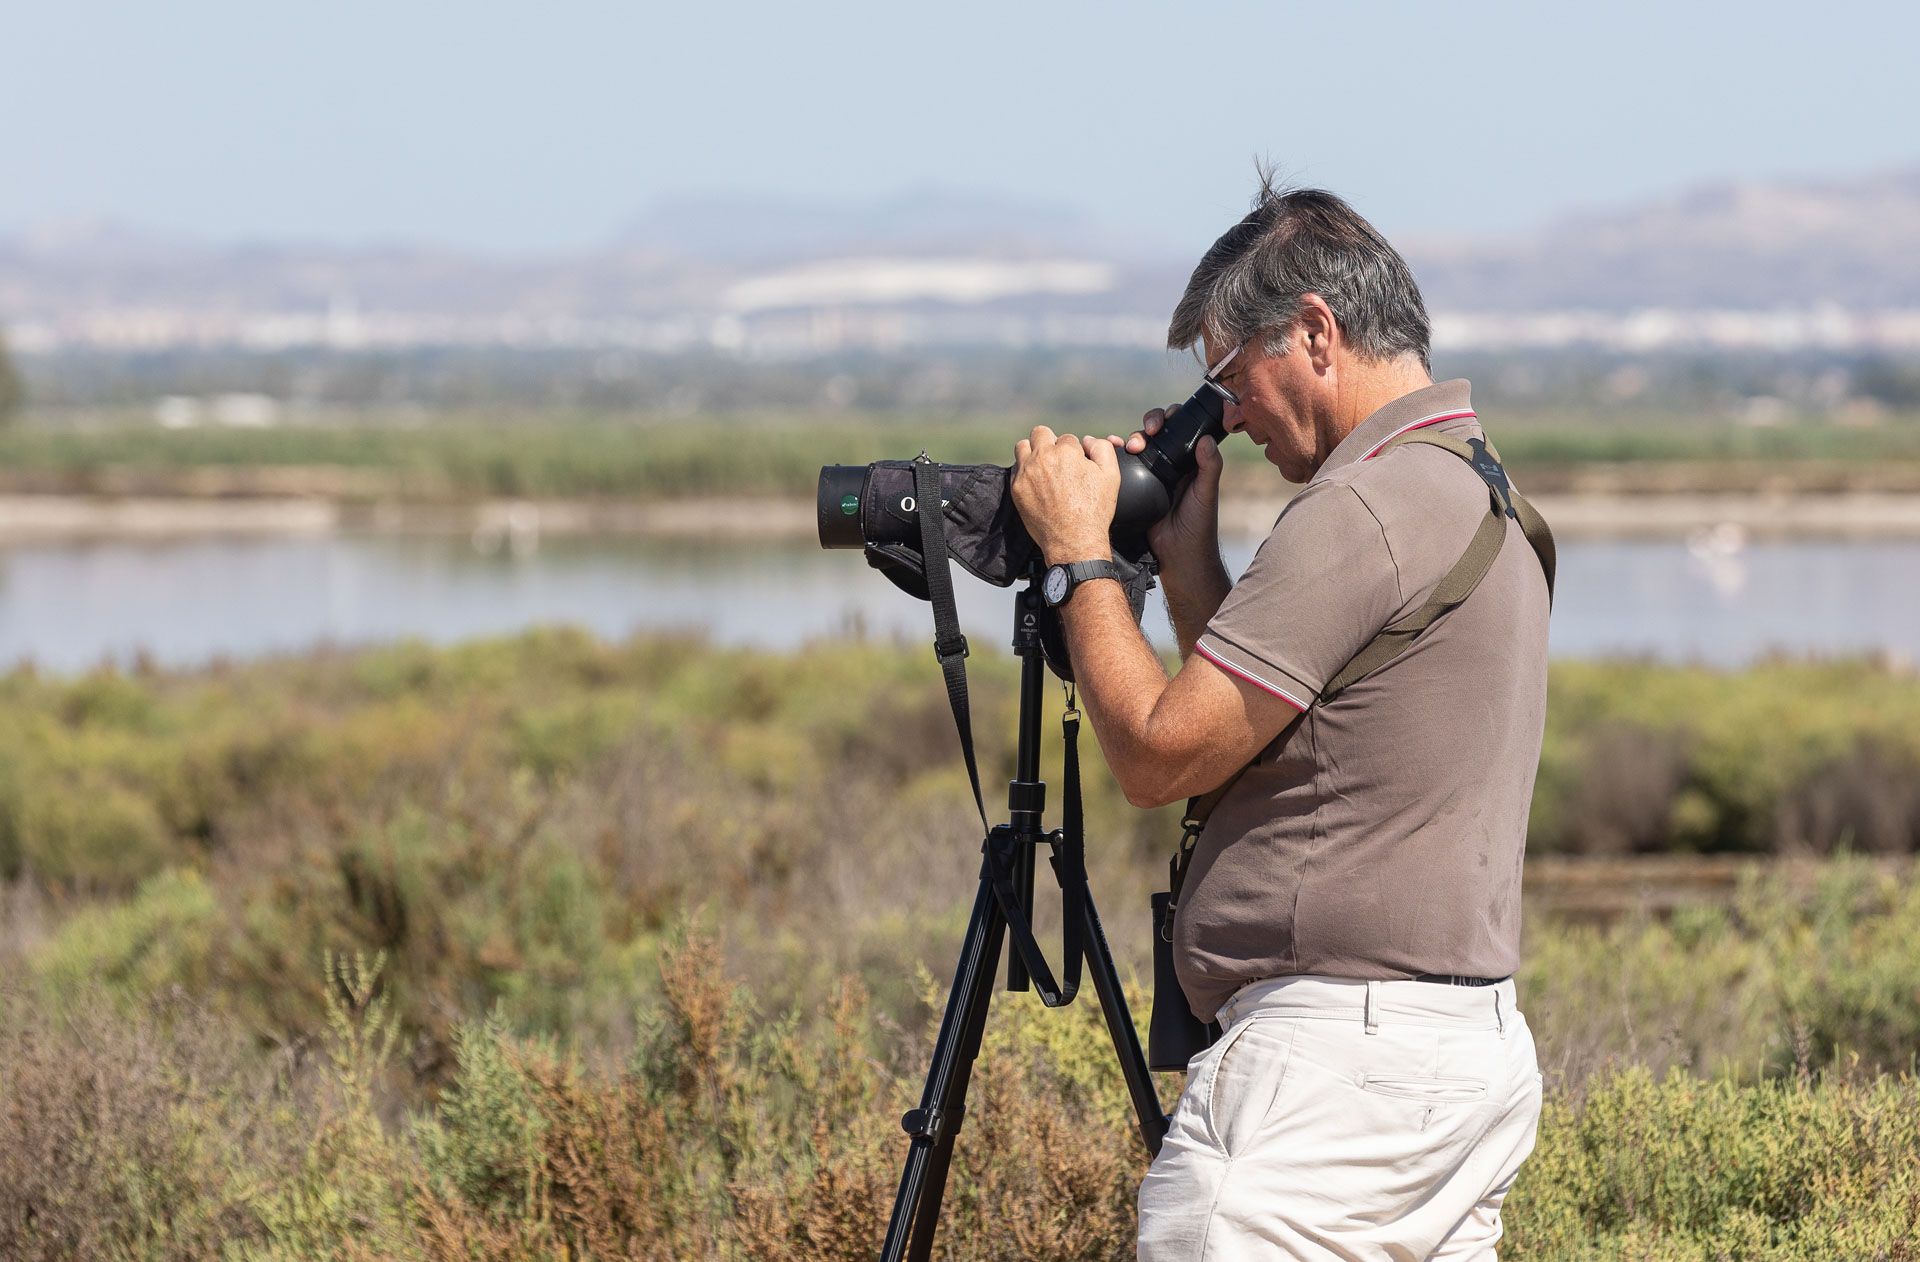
1149	481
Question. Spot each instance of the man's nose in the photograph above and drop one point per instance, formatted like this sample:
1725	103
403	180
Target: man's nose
1231	418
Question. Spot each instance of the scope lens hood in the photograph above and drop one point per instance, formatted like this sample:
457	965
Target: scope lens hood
842	492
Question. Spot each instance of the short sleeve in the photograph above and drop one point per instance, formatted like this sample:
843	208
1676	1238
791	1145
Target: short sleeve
1322	585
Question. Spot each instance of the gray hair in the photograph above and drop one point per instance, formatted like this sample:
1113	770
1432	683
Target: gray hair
1297	242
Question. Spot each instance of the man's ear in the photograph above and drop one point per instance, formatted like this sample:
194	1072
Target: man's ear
1317	330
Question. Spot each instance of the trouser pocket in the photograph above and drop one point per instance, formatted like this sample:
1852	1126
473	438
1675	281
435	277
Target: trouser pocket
1244	1081
1425	1089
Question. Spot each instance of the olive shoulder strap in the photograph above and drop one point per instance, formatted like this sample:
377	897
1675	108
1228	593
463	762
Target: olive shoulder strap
1503	502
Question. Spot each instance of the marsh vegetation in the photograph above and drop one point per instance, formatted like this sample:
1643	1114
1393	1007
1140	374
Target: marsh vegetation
551	946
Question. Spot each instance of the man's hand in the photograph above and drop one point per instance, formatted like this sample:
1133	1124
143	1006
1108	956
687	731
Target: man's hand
1066	489
1187	539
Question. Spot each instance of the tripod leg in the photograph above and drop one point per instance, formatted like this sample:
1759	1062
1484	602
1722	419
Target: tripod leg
936	1123
1017	976
1126	1039
926	1220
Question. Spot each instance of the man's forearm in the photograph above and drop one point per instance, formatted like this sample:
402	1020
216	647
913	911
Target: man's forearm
1194	593
1119	676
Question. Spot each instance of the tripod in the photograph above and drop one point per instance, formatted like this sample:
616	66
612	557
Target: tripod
1004	904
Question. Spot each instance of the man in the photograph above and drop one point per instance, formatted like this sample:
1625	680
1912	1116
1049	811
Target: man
1351	916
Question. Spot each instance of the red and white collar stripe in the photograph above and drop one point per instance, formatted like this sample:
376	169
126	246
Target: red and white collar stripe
1422	423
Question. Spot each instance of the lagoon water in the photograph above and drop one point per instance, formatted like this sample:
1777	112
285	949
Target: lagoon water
68	606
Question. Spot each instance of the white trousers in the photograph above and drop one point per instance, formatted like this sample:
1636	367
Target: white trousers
1350	1120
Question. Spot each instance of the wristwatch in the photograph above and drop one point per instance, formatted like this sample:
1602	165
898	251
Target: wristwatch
1061	580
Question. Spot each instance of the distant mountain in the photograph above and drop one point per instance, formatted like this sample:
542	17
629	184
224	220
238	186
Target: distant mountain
939	268
1854	244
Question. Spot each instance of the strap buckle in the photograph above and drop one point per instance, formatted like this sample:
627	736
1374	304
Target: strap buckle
954	645
1183	855
1494	474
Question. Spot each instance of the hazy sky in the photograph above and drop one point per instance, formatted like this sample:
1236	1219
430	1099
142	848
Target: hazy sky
546	127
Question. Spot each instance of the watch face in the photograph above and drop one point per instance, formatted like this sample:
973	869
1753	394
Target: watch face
1055	587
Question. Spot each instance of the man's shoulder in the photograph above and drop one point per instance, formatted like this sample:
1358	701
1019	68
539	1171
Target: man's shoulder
1413	482
1326	507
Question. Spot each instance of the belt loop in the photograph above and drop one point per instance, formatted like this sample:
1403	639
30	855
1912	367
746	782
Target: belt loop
1499	1016
1372	1012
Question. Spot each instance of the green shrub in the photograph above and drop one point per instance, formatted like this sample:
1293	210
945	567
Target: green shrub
1785	980
161	939
1790	1169
519	827
88	831
1782	757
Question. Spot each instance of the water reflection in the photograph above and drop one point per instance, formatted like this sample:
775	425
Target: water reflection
1715	598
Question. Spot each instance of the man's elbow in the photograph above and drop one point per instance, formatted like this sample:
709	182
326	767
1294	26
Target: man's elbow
1153	801
1148	790
1165	776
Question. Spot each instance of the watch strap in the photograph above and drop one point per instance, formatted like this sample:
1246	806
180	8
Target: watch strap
1078	572
1081	571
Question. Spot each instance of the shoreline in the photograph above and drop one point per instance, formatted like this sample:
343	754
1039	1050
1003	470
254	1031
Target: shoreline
1573	515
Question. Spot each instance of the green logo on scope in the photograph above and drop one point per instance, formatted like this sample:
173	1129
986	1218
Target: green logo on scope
849	504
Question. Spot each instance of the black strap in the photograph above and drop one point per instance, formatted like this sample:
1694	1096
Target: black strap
1070	868
1072	825
948	644
1070	857
1192	821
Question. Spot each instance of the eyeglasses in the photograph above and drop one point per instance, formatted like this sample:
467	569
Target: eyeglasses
1212	377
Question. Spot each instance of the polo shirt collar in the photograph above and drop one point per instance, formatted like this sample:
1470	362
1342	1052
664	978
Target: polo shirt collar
1437	404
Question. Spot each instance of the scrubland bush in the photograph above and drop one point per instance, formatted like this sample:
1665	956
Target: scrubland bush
1782	981
1784	757
108	779
733	1129
131	1135
1676	1168
513	822
516	827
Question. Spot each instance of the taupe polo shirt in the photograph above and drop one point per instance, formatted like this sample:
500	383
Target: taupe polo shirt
1380	835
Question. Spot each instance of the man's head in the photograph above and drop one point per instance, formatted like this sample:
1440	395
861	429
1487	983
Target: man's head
1332	322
